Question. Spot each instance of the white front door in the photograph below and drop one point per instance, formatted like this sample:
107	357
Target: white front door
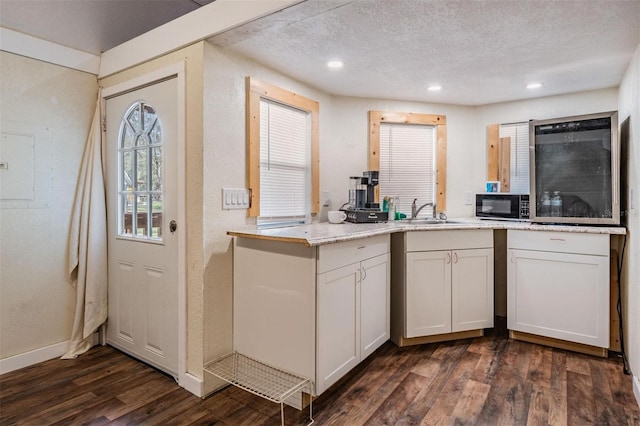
142	161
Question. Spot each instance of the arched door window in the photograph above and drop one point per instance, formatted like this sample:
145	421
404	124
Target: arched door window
140	202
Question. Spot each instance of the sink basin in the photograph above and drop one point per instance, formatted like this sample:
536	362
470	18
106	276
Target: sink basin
424	221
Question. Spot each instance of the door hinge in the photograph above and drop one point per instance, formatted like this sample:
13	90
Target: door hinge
104	123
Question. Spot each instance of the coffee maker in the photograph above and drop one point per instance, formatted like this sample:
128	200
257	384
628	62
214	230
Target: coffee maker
362	207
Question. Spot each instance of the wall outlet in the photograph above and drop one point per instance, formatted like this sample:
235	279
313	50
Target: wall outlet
326	198
468	198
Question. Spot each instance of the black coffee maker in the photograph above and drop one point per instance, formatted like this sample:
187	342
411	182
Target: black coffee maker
362	207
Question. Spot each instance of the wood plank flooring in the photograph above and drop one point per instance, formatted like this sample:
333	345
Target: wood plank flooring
484	381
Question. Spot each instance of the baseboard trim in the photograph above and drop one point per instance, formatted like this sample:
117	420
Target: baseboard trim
636	388
193	384
35	356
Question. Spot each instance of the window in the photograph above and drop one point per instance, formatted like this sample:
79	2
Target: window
409	150
519	158
284	161
407	157
140	167
283	155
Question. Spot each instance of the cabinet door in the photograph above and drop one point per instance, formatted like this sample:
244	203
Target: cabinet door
428	293
374	304
472	289
559	295
338	324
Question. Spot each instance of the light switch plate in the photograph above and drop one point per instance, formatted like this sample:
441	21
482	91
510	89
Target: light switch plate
235	198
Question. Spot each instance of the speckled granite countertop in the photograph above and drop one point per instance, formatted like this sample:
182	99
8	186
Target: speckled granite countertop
321	233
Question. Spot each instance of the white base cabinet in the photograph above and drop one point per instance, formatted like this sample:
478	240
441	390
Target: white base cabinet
428	293
558	285
442	282
353	316
314	311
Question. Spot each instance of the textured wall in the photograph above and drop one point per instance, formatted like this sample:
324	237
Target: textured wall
55	105
224	156
343	152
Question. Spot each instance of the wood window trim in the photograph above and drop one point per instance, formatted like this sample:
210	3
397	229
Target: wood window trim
498	158
256	90
376	118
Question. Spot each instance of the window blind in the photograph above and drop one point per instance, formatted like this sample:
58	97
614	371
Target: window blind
519	134
408	164
284	164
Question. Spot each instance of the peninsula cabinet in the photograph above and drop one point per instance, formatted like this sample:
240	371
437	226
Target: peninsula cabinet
314	311
558	285
353	316
442	284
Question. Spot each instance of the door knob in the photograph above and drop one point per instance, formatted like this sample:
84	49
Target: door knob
173	226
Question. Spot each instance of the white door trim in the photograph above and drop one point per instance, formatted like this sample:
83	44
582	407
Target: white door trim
188	381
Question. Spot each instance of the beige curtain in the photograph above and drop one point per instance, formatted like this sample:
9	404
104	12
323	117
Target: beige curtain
87	249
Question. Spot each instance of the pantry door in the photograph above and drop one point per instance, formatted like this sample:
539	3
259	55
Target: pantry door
142	135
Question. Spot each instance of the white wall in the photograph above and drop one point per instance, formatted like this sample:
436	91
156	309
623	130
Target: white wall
344	150
224	166
629	107
343	153
54	104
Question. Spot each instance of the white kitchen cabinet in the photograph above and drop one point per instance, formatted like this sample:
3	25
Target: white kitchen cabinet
558	285
338	323
375	310
442	283
472	289
314	311
353	316
428	297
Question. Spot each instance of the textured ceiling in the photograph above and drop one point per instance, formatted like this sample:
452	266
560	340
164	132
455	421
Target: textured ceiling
480	52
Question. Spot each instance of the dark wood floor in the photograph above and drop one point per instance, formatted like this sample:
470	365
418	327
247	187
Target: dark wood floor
486	381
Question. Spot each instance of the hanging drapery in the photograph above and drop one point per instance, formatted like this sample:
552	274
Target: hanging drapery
87	249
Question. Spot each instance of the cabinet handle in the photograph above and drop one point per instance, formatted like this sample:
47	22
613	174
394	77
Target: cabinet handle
448	258
455	257
560	240
361	247
363	274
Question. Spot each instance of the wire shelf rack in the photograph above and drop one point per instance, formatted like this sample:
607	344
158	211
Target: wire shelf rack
271	383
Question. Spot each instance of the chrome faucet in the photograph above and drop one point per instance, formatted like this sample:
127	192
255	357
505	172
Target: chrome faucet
415	210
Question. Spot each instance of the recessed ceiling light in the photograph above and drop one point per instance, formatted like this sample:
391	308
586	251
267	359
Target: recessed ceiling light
534	85
335	64
434	88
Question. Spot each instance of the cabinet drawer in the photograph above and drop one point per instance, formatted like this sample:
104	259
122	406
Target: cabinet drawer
565	242
333	256
449	240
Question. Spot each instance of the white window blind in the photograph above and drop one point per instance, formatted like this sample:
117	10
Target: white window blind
285	178
408	165
519	134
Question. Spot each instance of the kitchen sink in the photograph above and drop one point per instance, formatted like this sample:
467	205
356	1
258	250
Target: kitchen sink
424	221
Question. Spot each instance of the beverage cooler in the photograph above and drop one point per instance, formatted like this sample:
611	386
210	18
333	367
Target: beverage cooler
574	170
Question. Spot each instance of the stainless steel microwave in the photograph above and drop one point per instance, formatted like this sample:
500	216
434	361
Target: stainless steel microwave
502	206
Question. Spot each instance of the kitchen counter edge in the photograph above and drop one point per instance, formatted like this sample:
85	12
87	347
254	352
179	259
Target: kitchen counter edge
321	233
